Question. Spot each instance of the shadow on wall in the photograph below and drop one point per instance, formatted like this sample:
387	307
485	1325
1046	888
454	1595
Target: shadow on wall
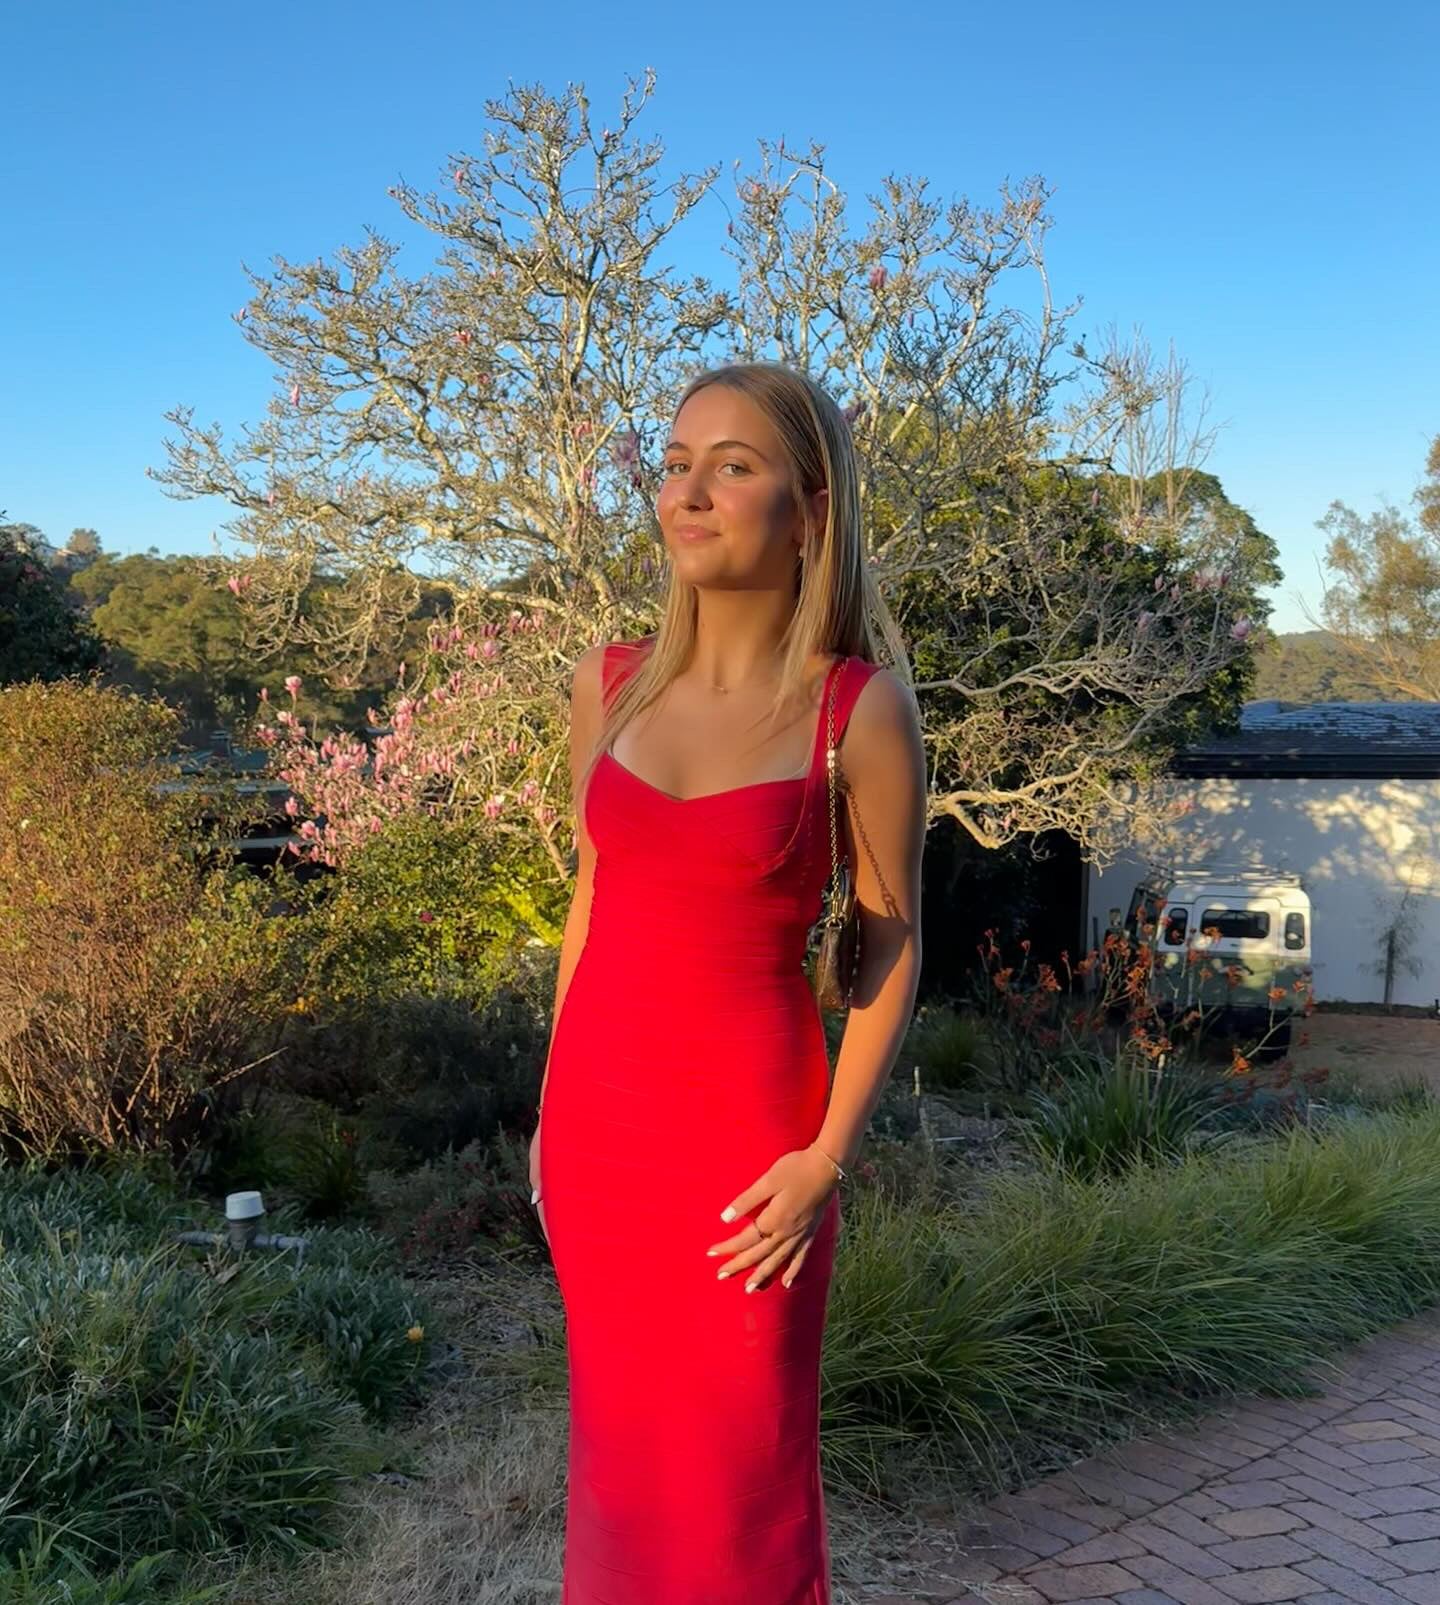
1367	852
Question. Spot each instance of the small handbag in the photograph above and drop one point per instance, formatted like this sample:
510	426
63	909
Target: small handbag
837	955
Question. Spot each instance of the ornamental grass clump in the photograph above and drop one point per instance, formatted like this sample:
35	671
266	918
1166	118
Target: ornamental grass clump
1009	1336
1111	1113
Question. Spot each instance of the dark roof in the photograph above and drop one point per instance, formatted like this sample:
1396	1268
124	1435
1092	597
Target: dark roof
1324	739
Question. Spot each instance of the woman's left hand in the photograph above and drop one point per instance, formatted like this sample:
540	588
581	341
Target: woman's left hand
797	1186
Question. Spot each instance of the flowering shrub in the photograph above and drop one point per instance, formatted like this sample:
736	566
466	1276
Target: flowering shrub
462	741
1051	1028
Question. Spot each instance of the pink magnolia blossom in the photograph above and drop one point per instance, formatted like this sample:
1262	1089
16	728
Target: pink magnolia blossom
1241	629
426	917
435	756
292	684
294	394
878	275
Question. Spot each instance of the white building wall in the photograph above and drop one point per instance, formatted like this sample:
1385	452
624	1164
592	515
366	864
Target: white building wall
1367	851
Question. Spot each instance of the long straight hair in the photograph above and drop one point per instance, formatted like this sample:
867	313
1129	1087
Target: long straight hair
838	607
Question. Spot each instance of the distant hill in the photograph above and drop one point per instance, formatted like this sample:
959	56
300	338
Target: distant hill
1312	666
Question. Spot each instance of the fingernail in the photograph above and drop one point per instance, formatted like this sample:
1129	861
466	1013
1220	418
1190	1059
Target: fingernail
721	1275
710	1253
727	1214
751	1286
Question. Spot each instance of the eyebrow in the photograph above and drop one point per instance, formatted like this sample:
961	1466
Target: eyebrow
679	445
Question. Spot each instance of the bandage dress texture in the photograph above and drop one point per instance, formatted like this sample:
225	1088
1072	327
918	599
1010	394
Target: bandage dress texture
688	1056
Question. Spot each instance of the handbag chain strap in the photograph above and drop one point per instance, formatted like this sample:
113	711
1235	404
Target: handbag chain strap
831	765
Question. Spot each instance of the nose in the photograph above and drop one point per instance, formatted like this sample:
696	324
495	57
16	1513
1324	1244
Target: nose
692	491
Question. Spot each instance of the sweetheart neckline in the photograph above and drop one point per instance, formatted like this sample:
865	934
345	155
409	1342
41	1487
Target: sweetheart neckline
704	796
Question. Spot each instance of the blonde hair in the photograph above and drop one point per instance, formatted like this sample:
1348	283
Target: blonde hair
838	607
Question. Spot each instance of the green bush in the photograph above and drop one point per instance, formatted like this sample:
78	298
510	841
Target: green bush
443	1072
156	1397
950	1048
1012	1334
130	970
447	1205
1113	1113
424	908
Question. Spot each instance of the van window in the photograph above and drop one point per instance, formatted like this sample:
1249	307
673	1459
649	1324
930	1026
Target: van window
1175	924
1237	924
1144	909
1294	931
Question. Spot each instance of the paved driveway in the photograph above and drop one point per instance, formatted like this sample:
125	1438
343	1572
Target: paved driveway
1334	1500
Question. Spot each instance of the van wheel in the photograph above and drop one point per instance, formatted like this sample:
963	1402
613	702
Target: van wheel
1278	1044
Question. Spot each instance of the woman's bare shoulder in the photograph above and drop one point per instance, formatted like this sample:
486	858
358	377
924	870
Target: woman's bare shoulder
885	721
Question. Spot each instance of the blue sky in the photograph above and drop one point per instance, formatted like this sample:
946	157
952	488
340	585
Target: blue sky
1255	183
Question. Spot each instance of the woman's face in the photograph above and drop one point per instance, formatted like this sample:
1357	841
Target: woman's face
725	507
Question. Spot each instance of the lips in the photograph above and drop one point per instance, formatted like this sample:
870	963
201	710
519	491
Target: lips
693	532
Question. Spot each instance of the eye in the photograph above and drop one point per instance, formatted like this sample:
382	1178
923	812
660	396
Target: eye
679	462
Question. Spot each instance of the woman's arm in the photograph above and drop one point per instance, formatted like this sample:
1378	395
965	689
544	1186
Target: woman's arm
585	715
883	760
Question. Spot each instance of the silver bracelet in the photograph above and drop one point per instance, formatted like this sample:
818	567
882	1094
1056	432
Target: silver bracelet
840	1172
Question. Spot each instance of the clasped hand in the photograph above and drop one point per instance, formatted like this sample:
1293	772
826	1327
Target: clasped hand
797	1186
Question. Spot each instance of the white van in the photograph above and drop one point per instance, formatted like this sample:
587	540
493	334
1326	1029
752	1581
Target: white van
1206	926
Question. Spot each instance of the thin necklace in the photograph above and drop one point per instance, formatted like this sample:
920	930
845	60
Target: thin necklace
727	689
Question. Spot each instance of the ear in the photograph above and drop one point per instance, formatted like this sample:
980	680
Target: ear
818	506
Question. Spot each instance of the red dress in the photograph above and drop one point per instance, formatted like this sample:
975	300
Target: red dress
688	1056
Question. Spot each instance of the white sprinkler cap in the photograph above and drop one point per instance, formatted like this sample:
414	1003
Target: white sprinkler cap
243	1206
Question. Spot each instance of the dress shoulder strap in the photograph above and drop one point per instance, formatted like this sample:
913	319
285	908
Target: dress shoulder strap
620	661
848	677
854	677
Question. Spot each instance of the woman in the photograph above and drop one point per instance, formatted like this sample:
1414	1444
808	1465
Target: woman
689	1147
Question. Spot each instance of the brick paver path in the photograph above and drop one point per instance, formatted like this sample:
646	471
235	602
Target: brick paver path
1332	1500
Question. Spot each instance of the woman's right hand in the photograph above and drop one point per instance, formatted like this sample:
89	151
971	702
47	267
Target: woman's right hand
535	1182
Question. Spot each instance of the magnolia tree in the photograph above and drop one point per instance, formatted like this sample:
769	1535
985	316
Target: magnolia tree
496	425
